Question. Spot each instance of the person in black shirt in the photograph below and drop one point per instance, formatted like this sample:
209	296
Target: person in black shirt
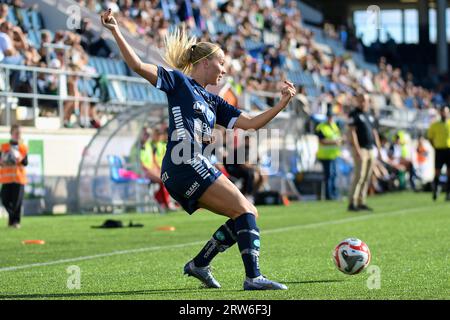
244	171
363	137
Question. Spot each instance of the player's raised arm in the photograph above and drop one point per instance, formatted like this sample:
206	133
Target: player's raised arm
146	70
246	122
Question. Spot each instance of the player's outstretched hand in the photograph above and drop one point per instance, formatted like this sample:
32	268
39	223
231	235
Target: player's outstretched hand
288	90
108	20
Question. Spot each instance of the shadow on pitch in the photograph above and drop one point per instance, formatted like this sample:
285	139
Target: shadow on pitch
114	293
314	281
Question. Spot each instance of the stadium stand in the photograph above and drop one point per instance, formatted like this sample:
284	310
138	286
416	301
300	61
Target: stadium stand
272	44
78	78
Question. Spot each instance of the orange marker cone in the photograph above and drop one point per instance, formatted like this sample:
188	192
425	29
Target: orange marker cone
33	242
166	228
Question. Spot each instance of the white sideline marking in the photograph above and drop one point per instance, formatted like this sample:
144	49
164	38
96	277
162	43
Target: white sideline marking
175	246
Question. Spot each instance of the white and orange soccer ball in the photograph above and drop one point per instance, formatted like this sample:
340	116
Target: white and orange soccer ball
351	256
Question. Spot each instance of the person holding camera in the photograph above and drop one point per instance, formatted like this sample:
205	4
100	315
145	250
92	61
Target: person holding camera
13	159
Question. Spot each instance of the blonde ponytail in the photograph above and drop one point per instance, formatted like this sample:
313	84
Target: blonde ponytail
182	51
178	46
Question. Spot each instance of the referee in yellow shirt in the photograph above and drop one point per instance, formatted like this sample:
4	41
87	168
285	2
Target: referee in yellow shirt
439	136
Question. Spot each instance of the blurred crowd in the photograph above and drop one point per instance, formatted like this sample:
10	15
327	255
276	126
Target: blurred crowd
259	42
62	50
281	36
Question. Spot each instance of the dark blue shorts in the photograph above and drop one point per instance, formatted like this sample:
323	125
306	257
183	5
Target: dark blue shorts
187	182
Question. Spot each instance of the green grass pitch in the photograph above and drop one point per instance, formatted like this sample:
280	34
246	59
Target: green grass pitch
408	235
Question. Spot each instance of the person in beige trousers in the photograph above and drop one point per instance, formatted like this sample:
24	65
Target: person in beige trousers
363	138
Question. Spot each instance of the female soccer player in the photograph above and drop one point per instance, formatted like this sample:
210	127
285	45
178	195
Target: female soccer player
194	182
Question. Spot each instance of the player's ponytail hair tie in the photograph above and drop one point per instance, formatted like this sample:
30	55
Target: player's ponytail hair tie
191	53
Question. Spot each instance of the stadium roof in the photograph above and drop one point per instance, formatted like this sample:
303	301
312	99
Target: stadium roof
338	11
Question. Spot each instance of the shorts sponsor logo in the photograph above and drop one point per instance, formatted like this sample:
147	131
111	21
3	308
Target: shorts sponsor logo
192	189
164	177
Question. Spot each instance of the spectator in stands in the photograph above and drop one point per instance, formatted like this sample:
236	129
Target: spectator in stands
301	102
45	51
9	49
67	85
12	43
59	37
92	41
77	61
252	20
363	137
13	159
329	150
3	12
47	84
439	136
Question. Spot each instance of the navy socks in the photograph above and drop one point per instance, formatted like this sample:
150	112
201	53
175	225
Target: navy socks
221	240
248	242
245	232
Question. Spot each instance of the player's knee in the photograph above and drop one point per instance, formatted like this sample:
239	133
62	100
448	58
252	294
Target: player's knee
248	208
255	211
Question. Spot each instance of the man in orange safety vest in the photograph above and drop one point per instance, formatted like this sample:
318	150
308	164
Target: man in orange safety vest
13	159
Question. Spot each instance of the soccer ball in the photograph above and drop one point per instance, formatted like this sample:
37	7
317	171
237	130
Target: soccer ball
351	256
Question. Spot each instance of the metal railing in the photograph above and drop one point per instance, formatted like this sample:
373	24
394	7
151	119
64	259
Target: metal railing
389	116
35	96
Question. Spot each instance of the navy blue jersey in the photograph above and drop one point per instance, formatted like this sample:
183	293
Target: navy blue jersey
193	111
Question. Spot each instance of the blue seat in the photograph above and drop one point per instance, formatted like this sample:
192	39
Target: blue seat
34	38
295	77
293	64
36	20
12	16
111	66
137	94
91	83
252	45
312	91
115	163
129	90
221	27
91	62
112	92
145	92
99	66
25	19
86	86
121	68
307	79
104	65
